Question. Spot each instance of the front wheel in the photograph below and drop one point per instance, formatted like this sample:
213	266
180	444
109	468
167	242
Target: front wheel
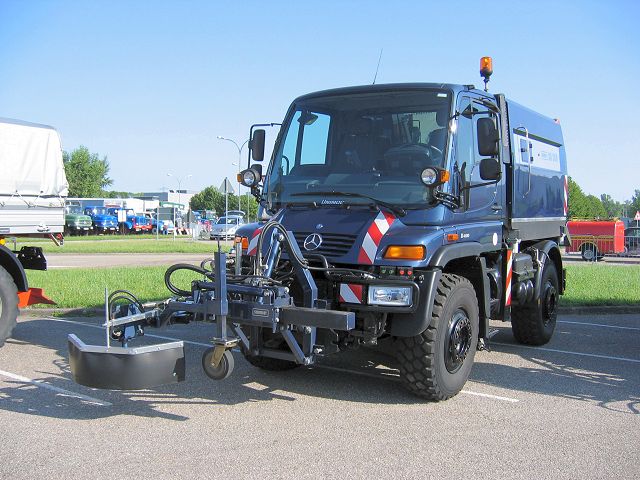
8	305
436	363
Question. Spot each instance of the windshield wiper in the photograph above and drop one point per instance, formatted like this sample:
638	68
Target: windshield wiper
401	212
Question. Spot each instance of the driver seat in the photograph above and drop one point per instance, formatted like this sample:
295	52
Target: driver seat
438	137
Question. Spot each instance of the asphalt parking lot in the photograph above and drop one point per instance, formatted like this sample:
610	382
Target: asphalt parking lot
567	410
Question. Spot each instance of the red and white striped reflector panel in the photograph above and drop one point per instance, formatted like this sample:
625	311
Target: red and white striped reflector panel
371	242
351	293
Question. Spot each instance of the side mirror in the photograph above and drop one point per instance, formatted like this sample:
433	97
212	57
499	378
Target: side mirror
487	137
257	145
489	169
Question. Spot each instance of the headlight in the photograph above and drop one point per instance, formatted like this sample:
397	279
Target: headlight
429	176
390	296
249	177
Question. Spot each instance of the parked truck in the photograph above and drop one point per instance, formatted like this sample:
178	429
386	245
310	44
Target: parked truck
414	212
129	221
33	187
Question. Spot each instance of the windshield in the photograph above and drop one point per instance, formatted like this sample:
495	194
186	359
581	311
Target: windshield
97	211
74	210
375	144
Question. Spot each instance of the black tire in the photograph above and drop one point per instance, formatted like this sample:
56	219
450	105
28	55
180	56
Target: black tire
270	364
436	363
275	342
8	305
534	324
589	252
224	368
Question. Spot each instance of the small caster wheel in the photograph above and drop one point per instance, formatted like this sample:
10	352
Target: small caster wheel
224	368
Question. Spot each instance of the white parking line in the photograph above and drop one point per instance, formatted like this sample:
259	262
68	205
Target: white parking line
599	325
392	378
58	390
566	352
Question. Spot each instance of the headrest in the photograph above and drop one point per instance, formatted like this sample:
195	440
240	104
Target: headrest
442	117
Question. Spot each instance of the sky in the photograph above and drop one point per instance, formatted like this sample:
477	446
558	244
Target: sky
152	84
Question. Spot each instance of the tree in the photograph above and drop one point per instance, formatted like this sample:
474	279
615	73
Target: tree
86	173
635	203
613	208
583	206
211	199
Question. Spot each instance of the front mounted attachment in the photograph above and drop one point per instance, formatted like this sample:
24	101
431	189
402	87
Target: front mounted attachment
242	309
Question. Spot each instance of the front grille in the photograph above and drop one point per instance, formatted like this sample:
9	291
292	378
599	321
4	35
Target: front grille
333	244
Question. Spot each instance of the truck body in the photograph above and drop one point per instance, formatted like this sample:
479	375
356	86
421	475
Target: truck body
413	213
594	239
33	187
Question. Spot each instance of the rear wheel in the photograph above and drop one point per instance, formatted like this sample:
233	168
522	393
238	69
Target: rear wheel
535	323
8	305
436	363
589	252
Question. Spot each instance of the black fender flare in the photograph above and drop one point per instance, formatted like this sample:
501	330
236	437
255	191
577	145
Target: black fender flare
12	265
551	252
411	324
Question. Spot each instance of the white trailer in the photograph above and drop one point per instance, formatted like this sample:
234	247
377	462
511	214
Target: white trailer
33	187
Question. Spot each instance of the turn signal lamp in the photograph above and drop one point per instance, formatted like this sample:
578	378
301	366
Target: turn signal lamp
405	252
243	240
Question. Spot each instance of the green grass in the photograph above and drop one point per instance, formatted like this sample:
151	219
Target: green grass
84	288
602	285
115	244
587	285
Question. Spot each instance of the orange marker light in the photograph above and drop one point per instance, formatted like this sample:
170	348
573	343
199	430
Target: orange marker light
444	176
453	237
405	252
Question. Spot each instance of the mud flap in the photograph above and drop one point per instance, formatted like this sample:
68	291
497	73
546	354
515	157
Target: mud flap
125	368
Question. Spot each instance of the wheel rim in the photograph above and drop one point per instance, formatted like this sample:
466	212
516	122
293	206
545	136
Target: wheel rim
589	253
549	304
458	341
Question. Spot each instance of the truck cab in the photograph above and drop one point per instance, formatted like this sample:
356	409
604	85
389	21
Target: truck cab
103	221
76	222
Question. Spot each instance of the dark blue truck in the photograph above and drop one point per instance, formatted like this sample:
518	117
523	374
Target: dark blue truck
415	213
442	205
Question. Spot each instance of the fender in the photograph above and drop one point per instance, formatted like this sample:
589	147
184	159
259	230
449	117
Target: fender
551	252
446	253
12	265
410	324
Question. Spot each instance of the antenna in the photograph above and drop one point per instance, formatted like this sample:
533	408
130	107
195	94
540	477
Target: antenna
378	67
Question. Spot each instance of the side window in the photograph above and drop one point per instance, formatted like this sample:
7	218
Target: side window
464	139
314	141
288	155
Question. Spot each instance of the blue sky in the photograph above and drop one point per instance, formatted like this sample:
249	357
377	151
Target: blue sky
151	84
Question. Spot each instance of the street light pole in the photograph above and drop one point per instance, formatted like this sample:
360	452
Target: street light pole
239	147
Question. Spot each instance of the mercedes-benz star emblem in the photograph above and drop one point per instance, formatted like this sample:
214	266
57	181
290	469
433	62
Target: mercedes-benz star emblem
312	242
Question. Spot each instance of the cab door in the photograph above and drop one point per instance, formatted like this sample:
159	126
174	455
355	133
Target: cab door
482	199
